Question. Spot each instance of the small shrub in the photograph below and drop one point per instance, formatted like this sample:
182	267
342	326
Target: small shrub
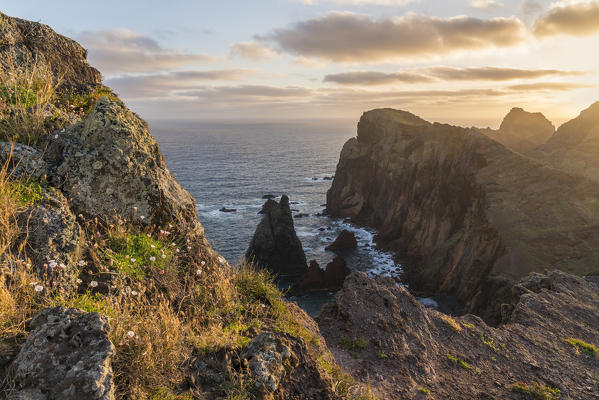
460	363
84	103
490	342
381	355
423	390
536	391
581	345
28	192
357	344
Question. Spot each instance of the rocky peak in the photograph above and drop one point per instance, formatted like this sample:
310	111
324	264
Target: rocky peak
376	124
523	131
25	45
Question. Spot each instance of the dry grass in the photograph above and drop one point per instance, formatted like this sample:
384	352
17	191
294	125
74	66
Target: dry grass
455	325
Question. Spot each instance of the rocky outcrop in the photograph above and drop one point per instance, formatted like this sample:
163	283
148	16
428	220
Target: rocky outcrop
23	162
109	164
66	356
522	131
25	45
275	244
467	215
390	341
575	145
315	279
345	241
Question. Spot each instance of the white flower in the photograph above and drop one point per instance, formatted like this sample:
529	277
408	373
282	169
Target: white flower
203	263
188	247
221	260
33	283
133	293
62	266
93	283
132	259
167	233
141	217
81	263
177	250
131	334
63	130
79	281
262	305
148	235
135	209
161	231
198	271
163	256
152	246
152	259
38	288
52	264
55	136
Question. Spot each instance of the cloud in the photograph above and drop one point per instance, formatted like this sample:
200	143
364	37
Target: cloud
122	50
252	51
495	73
244	93
159	85
349	37
485	4
363	2
550	86
569	18
376	78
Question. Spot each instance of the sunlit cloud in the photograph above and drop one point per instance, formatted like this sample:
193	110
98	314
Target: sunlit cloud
363	2
550	86
569	18
495	73
349	37
158	85
485	4
373	78
122	50
252	51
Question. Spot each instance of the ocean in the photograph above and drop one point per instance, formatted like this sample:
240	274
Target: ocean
233	165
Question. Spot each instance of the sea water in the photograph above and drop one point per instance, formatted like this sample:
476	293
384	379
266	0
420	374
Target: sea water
233	165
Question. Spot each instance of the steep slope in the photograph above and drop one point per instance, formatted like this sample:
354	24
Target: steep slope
575	145
522	131
466	214
381	333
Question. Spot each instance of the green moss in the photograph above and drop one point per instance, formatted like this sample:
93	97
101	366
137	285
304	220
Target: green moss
381	355
490	342
583	346
165	394
357	344
469	326
460	363
90	302
536	391
28	192
85	102
423	390
136	254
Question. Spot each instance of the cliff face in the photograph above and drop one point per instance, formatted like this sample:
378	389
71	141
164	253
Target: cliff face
522	131
575	145
467	215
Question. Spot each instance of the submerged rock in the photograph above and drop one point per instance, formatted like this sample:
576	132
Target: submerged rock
469	216
66	356
345	241
227	210
275	244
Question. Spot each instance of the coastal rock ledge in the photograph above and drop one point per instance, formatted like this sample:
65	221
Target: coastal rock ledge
468	216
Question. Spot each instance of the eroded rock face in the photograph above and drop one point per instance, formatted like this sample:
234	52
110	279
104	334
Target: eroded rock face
405	346
345	241
316	279
66	356
468	215
26	44
24	161
275	244
575	145
110	164
523	131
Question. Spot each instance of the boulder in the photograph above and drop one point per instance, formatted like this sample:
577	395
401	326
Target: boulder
345	241
315	279
523	131
25	45
23	161
111	165
268	196
275	244
67	355
53	240
468	216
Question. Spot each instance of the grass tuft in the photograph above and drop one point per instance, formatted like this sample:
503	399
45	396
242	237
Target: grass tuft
536	391
581	345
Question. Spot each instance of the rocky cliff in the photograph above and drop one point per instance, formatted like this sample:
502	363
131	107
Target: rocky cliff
575	145
522	131
467	215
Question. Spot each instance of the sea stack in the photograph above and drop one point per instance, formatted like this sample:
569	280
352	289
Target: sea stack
275	244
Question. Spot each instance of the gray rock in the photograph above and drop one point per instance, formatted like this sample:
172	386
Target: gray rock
275	244
66	356
53	237
110	164
23	161
265	355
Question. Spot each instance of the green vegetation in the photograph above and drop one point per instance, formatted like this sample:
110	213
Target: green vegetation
165	394
583	346
357	344
490	342
84	103
451	322
90	302
423	390
28	192
18	96
536	391
381	355
460	363
344	384
469	326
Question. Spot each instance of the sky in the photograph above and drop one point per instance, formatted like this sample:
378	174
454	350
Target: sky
466	62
